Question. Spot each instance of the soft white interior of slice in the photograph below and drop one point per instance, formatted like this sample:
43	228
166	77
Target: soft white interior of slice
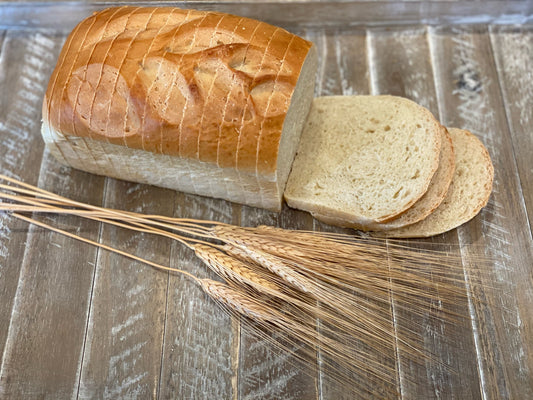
364	159
468	193
425	205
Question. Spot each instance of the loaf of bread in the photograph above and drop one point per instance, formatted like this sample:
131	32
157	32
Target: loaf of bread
201	102
364	160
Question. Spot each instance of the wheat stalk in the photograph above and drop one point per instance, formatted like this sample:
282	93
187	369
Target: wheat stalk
287	274
330	293
351	314
369	268
306	339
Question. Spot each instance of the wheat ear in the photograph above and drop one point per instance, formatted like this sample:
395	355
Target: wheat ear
232	269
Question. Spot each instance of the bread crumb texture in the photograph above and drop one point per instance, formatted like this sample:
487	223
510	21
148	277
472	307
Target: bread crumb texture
364	159
468	193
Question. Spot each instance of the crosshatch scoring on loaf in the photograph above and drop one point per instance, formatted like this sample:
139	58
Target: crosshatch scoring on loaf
203	85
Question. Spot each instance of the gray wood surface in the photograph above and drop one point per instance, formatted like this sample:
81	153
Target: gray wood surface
467	71
200	357
123	343
78	322
514	74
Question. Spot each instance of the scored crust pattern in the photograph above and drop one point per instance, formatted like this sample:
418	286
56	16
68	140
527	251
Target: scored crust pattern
202	85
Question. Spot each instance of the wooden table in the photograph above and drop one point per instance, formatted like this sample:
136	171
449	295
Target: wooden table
76	322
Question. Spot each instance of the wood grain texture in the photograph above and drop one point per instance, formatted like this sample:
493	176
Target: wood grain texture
122	349
401	66
76	322
50	306
514	74
33	53
469	96
267	372
200	352
21	150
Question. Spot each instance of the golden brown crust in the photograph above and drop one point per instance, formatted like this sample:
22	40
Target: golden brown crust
203	85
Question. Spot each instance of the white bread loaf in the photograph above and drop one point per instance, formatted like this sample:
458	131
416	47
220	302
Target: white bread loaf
426	204
364	160
201	102
469	191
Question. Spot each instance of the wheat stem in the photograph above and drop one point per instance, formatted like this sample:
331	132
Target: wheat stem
103	246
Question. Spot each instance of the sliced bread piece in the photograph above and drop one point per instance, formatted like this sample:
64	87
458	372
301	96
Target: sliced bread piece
469	191
427	203
364	159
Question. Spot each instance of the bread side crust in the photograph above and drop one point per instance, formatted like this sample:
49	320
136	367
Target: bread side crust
191	176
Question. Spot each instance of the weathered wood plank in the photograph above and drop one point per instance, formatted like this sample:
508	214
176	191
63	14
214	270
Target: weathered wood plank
343	68
12	232
401	66
3	69
49	316
266	372
200	353
122	350
513	52
26	61
469	96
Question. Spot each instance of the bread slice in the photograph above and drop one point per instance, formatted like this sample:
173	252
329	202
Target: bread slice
469	191
426	204
196	101
364	159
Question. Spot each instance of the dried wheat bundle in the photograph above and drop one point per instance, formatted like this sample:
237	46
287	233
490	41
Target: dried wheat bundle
336	298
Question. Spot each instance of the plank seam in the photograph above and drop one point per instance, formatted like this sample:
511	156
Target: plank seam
164	334
97	259
471	309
